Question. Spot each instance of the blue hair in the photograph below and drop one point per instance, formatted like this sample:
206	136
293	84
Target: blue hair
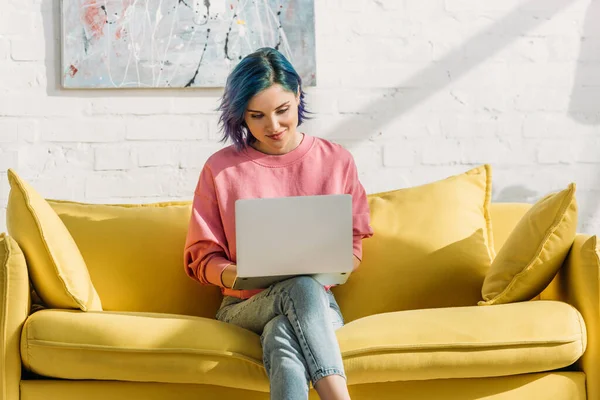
256	72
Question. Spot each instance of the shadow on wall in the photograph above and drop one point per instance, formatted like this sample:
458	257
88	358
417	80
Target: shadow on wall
584	105
453	66
516	194
584	108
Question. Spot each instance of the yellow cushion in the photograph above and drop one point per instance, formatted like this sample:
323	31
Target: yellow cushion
432	246
142	347
463	342
534	251
460	342
135	256
57	269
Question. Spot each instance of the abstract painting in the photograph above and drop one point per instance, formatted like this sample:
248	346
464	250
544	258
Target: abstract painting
179	43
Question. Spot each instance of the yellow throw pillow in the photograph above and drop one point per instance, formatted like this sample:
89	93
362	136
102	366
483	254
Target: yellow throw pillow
57	269
432	246
534	251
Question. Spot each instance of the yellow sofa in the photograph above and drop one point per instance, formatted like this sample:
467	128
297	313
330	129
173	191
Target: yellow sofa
156	336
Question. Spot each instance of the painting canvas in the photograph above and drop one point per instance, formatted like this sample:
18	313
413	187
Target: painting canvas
179	43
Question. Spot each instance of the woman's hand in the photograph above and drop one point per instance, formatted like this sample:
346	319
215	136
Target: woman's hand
356	263
228	275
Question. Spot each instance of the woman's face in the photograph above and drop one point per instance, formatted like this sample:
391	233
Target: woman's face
272	118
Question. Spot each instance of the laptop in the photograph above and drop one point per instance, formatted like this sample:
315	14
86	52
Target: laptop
280	238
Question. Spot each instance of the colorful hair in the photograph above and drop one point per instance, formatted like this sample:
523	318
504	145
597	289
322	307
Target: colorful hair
256	72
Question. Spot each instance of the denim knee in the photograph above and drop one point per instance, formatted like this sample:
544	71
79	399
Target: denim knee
304	288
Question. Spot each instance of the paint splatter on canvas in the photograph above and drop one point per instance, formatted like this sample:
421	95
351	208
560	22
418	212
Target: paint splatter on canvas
179	43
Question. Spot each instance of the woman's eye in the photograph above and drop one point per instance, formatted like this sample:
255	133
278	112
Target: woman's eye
258	116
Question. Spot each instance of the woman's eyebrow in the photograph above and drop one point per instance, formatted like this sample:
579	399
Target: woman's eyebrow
286	103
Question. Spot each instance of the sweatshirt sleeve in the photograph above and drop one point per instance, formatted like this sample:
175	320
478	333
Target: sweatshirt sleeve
361	220
206	254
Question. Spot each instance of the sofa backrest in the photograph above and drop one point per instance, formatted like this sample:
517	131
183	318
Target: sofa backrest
134	254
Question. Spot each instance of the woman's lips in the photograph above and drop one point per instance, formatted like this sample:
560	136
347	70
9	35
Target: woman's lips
277	136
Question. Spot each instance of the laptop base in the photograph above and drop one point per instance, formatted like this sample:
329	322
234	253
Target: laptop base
263	282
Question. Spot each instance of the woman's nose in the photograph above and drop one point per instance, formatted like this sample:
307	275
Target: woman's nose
273	124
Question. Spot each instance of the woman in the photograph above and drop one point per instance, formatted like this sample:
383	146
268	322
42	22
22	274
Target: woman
261	108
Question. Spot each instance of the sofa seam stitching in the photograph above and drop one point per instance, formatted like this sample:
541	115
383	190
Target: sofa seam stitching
79	347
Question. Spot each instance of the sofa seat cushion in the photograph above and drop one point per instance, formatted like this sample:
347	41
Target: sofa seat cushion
142	347
462	342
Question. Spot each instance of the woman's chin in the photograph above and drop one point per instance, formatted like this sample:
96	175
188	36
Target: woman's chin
277	147
270	148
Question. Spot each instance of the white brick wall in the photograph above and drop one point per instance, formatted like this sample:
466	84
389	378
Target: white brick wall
417	90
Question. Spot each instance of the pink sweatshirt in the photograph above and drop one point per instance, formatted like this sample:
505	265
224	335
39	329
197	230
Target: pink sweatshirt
315	167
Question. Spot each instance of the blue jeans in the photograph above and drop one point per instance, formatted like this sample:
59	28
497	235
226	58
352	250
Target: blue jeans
296	319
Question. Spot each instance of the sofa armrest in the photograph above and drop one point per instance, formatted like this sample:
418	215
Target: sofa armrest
578	283
14	309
